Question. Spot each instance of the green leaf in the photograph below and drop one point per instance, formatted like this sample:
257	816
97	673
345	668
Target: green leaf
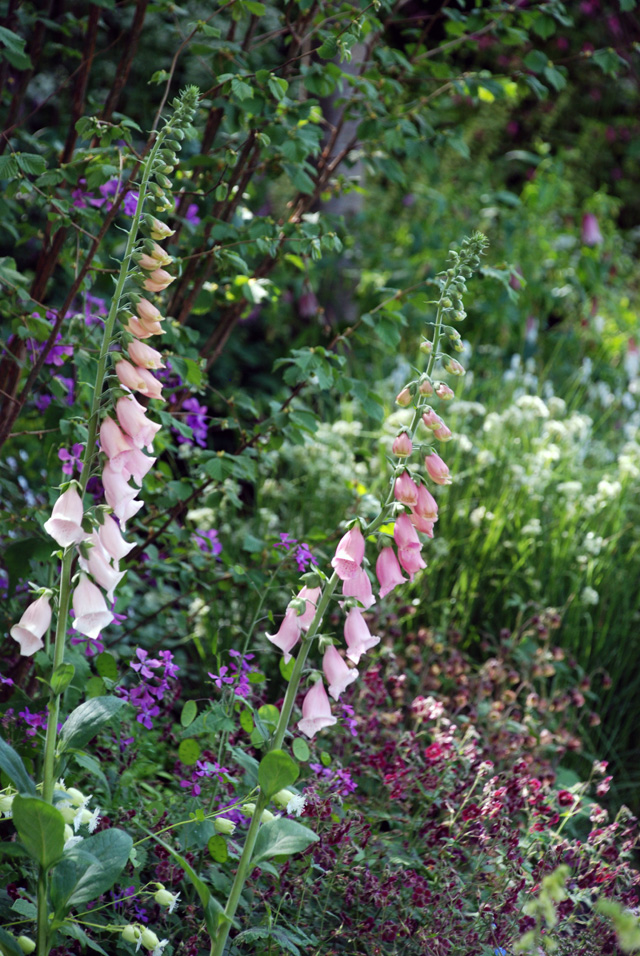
62	677
213	911
31	163
86	720
106	666
301	750
109	851
73	931
301	180
11	764
40	828
276	772
287	669
241	89
8	167
626	5
246	720
9	945
253	6
536	60
14	49
189	713
281	837
13	850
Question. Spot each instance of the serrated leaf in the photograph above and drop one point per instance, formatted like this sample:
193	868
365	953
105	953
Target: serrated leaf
8	167
281	837
86	720
40	828
31	163
11	764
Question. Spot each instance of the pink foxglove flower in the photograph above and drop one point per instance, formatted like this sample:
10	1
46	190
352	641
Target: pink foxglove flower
112	541
90	609
427	506
411	560
97	565
357	635
423	525
359	586
591	235
288	634
32	626
404	533
316	711
444	392
349	554
336	671
403	398
158	229
438	470
114	443
138	379
148	263
136	465
425	387
406	490
144	355
133	420
120	496
158	281
431	420
311	596
65	523
442	433
161	257
402	446
388	571
143	330
147	312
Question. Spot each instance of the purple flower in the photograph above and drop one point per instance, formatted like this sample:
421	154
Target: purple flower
349	719
285	541
170	669
220	679
92	647
191	215
6	680
69	384
42	402
208	541
72	459
144	664
131	203
34	721
197	422
94	309
304	557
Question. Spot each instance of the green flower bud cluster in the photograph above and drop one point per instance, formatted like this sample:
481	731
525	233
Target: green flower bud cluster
184	108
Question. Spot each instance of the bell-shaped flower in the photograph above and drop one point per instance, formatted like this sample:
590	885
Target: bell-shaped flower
144	355
349	554
288	633
590	232
143	330
136	465
423	525
158	280
158	229
161	257
359	586
138	379
316	711
114	443
430	419
427	506
311	596
411	560
90	610
147	262
147	312
133	420
112	541
404	533
402	445
444	392
97	565
438	470
32	626
120	496
65	523
406	490
338	674
388	571
443	433
357	635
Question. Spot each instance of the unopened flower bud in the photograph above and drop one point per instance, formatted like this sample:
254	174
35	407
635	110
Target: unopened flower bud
402	446
442	433
76	798
404	398
146	262
157	229
426	346
248	809
26	944
282	798
447	303
454	367
68	832
163	897
460	315
430	419
68	814
224	826
425	387
6	799
444	392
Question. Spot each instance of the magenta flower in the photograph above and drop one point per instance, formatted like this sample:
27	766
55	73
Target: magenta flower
337	672
411	560
405	534
357	635
423	525
406	490
349	554
72	459
316	711
590	233
388	571
437	469
207	542
427	506
221	679
402	445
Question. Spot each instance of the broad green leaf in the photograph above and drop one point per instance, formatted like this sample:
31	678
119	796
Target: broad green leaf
73	931
62	677
276	772
106	666
11	764
189	751
31	163
86	720
281	837
536	60
111	850
40	828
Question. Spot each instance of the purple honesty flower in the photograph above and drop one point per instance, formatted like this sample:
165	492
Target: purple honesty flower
6	680
131	203
304	557
34	721
204	768
208	541
94	309
170	669
349	719
197	422
242	668
92	646
221	678
286	541
191	215
69	384
72	459
42	402
144	664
